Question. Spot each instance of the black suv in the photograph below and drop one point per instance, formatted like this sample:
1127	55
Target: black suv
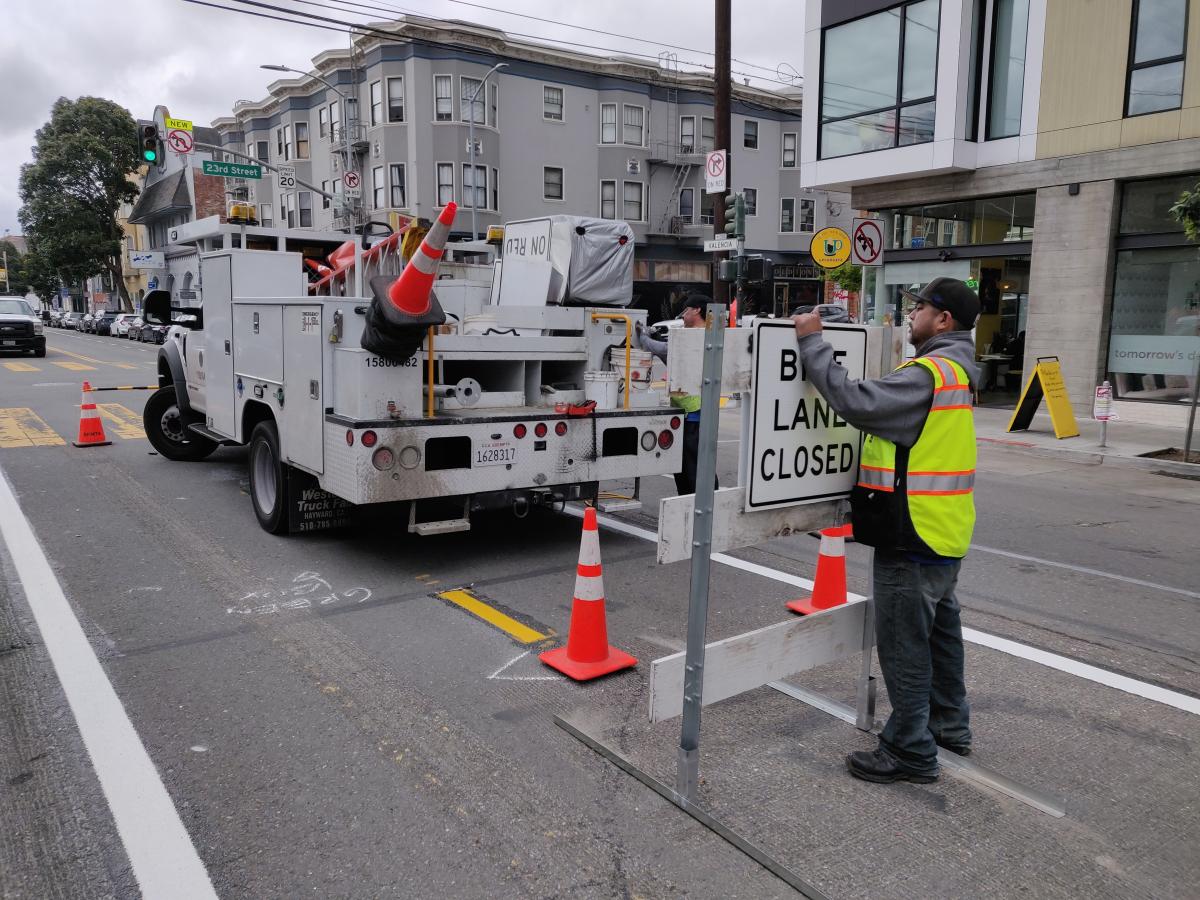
102	324
20	327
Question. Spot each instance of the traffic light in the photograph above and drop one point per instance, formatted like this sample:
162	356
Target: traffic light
149	143
735	216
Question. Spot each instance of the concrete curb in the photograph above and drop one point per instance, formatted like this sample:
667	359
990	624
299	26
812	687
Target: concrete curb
1097	457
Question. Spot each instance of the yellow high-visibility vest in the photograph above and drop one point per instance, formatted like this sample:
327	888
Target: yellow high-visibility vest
921	498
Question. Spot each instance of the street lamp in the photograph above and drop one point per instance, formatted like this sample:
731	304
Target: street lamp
341	103
471	143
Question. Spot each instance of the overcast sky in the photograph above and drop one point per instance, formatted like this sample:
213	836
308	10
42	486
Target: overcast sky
198	61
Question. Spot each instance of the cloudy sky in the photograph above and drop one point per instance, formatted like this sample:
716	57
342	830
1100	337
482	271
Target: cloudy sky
198	60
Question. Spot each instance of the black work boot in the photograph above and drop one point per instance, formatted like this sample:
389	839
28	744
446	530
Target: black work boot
880	767
961	750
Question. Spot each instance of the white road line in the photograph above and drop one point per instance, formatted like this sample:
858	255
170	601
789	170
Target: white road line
1086	571
994	642
161	853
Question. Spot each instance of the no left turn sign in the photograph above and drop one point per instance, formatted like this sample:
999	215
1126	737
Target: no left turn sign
866	243
180	141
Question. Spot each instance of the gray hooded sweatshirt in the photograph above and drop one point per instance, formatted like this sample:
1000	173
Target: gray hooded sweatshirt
893	407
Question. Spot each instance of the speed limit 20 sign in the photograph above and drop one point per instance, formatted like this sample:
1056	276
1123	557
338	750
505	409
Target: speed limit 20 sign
285	177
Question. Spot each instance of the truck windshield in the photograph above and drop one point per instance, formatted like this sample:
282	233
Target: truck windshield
15	307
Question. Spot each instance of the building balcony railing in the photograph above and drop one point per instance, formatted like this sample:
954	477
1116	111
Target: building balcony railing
675	153
352	136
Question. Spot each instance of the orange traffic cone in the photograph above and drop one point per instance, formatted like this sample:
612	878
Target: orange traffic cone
91	432
410	292
588	654
829	587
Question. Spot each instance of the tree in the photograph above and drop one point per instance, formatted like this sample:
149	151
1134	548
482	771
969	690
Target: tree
71	191
847	277
1187	212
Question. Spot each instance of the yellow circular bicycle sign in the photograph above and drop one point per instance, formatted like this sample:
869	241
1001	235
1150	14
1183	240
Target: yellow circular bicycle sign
830	248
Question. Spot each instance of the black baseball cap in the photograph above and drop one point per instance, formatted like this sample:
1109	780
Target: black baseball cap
696	301
952	296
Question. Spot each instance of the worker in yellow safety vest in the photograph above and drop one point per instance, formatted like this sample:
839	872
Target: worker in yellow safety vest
914	504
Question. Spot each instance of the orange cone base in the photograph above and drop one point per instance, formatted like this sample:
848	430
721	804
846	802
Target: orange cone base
585	671
806	607
91	444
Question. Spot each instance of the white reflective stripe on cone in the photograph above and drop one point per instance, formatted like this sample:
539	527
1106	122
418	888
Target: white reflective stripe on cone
589	549
423	262
589	587
832	545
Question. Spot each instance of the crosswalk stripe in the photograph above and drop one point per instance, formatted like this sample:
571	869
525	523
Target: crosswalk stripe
22	427
21	367
126	423
125	365
75	367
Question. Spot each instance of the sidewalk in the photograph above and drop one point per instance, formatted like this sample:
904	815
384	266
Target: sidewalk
1127	441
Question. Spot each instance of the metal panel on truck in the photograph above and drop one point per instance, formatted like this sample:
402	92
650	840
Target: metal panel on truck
217	366
304	418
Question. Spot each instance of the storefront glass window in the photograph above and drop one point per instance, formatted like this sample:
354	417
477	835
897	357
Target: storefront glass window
994	220
1145	205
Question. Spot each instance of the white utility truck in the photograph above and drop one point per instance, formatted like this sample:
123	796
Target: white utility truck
522	391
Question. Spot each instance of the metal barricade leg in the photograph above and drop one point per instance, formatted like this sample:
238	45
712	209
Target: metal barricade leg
865	695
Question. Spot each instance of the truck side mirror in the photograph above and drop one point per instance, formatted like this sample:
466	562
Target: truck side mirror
156	309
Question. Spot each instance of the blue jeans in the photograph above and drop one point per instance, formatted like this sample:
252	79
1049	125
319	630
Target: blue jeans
919	640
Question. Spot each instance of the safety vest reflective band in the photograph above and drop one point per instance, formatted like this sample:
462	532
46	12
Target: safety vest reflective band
921	498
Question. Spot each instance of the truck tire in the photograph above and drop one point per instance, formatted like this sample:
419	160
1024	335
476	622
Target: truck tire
167	431
268	479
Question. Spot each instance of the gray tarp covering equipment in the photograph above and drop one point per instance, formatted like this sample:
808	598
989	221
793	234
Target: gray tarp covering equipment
584	262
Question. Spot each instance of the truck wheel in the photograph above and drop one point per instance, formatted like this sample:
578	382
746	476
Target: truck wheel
167	432
40	352
268	479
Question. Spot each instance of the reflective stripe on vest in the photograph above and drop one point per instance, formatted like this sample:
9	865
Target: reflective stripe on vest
940	474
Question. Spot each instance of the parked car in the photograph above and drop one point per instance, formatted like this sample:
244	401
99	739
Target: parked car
67	319
102	324
153	334
56	318
20	327
120	325
84	322
133	332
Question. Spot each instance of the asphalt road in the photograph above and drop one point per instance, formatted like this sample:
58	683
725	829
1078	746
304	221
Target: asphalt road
326	725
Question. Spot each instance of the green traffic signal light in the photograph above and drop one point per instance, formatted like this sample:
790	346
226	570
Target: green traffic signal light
148	137
150	155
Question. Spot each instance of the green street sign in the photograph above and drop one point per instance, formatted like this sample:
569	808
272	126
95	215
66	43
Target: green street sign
232	170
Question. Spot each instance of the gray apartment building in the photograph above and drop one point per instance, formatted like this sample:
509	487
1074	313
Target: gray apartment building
555	132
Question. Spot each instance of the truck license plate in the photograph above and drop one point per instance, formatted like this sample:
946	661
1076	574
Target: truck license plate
499	453
10	343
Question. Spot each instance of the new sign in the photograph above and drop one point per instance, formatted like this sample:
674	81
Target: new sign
232	170
801	450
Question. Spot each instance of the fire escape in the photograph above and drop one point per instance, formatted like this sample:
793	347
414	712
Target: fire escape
677	155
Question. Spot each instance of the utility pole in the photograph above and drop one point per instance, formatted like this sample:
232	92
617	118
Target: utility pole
721	76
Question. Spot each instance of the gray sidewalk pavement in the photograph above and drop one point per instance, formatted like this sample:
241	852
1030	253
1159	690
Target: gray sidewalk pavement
1126	443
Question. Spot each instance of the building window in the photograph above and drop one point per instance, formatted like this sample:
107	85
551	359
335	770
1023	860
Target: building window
378	188
266	214
807	215
470	103
322	122
287	142
301	140
335	121
708	135
495	189
878	81
750	134
1156	51
376	102
1010	25
399	188
289	204
395	99
962	222
687	134
305	209
552	183
264	150
632	197
751	195
789	149
552	103
475	189
443	98
635	117
687	205
493	105
279	143
608	199
787	215
445	183
324	199
608	123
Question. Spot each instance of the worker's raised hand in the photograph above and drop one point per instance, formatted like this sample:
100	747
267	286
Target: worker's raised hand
807	323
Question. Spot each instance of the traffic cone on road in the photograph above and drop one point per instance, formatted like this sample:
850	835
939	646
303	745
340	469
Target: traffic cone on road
588	654
91	432
829	586
410	292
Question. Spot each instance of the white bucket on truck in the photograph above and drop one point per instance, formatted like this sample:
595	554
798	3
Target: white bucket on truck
603	387
640	363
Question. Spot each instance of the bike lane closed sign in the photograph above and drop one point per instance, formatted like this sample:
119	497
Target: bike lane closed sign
801	451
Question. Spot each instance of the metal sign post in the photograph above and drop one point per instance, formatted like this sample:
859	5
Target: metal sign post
687	776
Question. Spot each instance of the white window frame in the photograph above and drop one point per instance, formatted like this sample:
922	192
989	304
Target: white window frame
266	214
300	210
307	142
748	213
562	104
642	187
463	101
782	201
493	107
325	202
265	157
390	80
811	205
287	142
746	123
783	149
641	127
466	167
616	123
379	187
704	119
322	122
494	187
335	119
613	182
562	183
375	93
691	192
438	184
393	168
687	148
289	205
449	118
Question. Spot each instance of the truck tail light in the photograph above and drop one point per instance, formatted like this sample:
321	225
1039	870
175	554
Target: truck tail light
560	429
383	459
648	440
519	431
349	438
369	439
539	430
666	439
675	423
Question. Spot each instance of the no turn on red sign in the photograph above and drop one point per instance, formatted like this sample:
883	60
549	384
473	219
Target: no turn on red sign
714	172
